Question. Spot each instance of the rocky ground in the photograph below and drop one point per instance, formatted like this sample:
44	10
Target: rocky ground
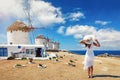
67	67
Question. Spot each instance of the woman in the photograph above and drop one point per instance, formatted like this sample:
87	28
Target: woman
89	56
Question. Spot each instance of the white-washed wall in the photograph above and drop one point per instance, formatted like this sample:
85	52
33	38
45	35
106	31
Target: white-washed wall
50	46
56	46
40	41
17	37
12	49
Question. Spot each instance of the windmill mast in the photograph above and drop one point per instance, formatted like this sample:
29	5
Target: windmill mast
27	10
27	5
28	15
29	18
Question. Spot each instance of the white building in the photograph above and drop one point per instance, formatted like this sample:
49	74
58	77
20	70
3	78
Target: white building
40	40
55	45
17	33
50	45
20	51
18	44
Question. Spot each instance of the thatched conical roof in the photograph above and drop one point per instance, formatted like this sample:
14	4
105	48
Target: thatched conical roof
18	25
40	37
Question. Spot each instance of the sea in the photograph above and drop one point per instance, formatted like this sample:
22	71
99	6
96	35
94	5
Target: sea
98	52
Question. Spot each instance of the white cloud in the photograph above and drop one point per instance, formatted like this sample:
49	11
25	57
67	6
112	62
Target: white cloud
102	22
80	30
108	38
78	36
61	30
43	13
76	16
9	8
46	13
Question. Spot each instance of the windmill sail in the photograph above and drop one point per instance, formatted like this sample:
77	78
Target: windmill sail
28	11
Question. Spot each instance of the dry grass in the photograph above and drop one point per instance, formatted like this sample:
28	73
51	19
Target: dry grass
104	69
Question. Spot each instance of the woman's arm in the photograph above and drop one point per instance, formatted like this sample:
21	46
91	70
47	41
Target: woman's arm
82	42
97	44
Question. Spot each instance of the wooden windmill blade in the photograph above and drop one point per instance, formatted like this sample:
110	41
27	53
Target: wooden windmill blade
27	9
32	28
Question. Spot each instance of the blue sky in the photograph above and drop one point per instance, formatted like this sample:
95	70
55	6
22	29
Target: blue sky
67	21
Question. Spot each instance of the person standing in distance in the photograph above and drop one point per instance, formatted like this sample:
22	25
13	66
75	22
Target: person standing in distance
89	56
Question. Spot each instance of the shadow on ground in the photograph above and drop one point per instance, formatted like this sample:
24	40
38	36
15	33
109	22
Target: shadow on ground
102	75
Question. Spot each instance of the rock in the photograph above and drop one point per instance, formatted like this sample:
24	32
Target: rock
70	64
42	66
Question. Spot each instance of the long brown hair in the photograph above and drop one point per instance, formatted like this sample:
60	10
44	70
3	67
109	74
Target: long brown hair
86	45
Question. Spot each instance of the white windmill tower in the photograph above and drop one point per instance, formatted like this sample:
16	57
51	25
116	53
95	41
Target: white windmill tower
17	33
40	40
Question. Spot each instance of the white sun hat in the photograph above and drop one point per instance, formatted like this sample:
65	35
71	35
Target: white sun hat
89	39
86	37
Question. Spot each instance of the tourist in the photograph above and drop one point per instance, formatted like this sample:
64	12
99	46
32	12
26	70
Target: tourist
89	42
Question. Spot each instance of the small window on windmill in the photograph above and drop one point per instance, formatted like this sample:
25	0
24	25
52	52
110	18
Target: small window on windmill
11	31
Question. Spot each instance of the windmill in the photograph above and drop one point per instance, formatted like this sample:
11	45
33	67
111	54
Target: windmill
27	11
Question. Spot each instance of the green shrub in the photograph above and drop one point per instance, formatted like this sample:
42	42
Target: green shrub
54	57
10	58
18	65
24	58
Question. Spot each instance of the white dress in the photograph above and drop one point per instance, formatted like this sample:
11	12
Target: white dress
89	57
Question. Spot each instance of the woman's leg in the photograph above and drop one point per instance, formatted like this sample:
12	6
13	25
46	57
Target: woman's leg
89	72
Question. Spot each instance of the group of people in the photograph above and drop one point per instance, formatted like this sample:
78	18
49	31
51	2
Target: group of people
89	42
